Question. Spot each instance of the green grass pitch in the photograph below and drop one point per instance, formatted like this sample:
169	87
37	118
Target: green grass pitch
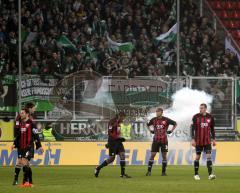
80	179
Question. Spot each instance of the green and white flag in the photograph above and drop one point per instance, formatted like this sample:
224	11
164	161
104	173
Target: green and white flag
229	45
124	47
66	43
30	37
169	36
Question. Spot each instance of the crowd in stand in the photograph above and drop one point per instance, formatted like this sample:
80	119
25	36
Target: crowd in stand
87	25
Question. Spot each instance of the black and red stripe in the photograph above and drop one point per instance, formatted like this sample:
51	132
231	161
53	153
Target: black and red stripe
114	129
203	124
25	134
161	125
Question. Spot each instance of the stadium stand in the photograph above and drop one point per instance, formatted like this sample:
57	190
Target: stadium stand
84	26
229	13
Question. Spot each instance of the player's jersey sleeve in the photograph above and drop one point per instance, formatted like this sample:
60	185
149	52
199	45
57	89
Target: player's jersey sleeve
110	128
17	122
150	122
193	126
150	125
212	128
171	122
17	138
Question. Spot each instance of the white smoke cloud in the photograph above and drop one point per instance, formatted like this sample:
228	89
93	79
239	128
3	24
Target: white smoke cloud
185	104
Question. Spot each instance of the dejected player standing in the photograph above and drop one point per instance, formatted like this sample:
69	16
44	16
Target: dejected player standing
159	127
31	107
202	131
115	145
24	142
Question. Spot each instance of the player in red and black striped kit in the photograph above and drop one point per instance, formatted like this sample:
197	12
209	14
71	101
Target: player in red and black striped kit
31	108
115	145
24	141
159	127
202	132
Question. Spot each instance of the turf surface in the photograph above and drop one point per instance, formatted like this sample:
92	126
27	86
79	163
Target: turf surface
80	179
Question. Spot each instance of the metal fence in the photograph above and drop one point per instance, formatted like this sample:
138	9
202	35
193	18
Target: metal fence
80	105
222	89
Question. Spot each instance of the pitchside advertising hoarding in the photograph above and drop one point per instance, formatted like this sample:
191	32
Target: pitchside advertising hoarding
137	153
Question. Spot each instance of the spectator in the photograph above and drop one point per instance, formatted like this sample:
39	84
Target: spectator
85	24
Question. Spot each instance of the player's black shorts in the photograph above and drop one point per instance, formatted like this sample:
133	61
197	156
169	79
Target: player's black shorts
26	153
156	146
206	148
115	147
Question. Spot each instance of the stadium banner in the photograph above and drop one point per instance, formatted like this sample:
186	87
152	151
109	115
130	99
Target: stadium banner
33	89
39	91
92	130
6	130
137	153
